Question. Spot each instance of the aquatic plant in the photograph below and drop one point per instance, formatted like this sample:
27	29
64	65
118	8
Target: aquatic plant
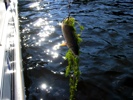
72	70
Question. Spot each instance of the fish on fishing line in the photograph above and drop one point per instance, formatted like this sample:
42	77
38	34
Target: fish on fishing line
69	33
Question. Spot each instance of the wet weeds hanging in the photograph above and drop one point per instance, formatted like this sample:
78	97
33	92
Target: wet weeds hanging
73	40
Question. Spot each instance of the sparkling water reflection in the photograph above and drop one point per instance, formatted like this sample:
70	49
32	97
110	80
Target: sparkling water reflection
106	51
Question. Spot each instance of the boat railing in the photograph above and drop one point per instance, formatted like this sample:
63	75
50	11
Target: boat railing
11	72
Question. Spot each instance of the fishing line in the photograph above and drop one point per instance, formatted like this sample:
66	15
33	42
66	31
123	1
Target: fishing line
69	9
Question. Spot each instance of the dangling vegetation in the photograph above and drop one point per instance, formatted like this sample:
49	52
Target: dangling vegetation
72	70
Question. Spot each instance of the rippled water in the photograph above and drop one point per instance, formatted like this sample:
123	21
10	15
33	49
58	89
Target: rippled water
106	51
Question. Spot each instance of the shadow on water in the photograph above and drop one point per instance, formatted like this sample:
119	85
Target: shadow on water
106	51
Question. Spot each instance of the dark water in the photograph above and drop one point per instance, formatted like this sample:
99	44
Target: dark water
106	59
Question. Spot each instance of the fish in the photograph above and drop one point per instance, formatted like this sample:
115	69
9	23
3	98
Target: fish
70	38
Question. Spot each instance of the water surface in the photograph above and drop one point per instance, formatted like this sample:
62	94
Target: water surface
106	51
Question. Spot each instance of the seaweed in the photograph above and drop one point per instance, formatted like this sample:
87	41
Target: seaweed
72	70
